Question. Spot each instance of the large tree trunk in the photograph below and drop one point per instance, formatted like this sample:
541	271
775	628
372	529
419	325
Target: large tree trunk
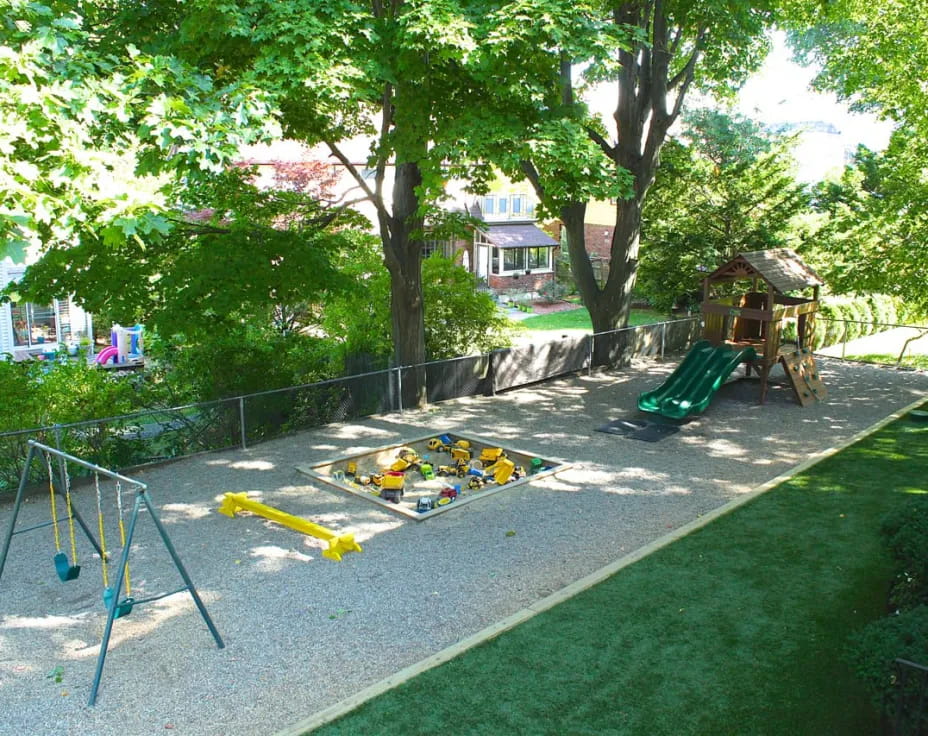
642	118
402	245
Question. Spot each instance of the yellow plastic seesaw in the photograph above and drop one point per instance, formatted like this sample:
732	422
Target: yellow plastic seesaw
338	543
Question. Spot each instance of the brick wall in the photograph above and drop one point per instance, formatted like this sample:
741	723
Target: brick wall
520	283
598	238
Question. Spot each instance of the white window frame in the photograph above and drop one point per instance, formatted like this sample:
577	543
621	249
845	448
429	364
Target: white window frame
497	259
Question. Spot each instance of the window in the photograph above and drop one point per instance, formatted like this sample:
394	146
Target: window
34	324
503	202
436	246
520	260
514	259
517	200
489	205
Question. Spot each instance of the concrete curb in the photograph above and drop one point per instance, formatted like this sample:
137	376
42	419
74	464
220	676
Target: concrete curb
350	703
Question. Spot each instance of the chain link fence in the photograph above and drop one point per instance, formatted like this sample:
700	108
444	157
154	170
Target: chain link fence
154	436
903	346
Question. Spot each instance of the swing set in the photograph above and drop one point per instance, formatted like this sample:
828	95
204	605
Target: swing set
117	598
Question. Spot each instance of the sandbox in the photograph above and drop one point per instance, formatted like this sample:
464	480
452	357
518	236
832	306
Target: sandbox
432	474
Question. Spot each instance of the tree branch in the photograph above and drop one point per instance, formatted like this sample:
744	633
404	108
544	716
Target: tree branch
356	175
601	142
688	68
688	72
531	173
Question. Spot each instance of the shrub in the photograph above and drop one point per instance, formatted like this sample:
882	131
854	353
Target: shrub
874	648
552	291
906	532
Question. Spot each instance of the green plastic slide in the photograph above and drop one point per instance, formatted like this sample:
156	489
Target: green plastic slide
690	388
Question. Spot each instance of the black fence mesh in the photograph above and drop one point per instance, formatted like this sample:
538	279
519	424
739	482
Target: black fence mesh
538	362
163	434
126	441
275	413
452	379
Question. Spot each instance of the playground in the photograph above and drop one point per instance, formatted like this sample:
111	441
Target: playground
303	631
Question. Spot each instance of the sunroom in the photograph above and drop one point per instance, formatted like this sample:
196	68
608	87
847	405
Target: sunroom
514	255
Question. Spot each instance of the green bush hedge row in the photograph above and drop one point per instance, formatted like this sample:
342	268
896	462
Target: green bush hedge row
859	315
903	633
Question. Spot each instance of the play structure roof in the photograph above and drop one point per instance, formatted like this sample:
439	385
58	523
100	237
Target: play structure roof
780	267
517	235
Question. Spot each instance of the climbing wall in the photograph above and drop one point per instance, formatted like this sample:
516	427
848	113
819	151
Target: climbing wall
803	376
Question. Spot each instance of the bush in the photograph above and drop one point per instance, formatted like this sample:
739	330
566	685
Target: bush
248	359
861	314
906	532
874	648
883	309
552	291
38	394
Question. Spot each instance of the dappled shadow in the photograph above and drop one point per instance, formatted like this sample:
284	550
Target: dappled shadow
416	587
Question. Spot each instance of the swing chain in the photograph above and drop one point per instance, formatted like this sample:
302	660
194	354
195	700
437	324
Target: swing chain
51	490
100	526
122	534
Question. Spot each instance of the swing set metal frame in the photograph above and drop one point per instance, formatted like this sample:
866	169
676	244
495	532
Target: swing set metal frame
142	500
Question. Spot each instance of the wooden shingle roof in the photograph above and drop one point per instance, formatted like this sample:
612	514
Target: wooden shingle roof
780	267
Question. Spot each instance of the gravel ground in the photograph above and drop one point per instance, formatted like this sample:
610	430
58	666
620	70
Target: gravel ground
303	632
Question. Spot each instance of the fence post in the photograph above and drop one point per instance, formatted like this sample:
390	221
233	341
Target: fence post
844	341
241	419
663	337
57	428
589	370
399	385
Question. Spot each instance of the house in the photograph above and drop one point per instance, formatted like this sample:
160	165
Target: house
28	329
508	253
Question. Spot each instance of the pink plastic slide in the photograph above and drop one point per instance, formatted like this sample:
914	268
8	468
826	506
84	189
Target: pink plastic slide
107	353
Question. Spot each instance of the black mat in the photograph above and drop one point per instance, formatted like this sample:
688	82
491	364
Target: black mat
640	429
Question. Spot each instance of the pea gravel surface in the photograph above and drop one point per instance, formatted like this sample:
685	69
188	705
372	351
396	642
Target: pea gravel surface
303	632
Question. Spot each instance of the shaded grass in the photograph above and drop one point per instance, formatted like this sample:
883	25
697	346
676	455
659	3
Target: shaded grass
579	319
913	361
738	628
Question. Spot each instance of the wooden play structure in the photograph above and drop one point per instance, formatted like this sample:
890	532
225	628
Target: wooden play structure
756	318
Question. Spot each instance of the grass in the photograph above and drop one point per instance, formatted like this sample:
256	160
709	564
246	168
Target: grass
737	628
912	361
579	319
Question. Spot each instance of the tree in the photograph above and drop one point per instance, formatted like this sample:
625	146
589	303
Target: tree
875	237
458	319
726	186
870	55
78	122
664	49
400	72
231	253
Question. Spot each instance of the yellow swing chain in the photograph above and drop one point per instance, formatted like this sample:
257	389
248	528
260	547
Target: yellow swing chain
122	534
51	491
67	499
100	527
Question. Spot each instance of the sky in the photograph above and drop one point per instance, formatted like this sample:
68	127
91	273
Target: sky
780	92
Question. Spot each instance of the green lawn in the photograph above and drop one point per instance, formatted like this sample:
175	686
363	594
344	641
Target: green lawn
579	319
738	628
912	361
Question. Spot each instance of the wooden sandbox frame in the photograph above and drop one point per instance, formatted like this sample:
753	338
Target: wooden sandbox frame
381	457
